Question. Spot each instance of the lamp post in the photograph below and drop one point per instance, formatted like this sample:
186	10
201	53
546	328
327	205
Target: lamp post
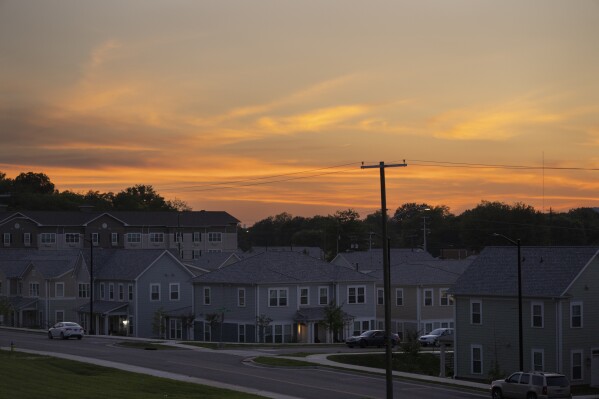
386	278
91	282
424	228
520	335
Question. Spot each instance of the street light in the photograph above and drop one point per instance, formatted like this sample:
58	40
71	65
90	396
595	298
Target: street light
91	282
520	339
424	228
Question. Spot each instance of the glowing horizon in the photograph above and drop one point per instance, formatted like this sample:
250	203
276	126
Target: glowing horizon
177	94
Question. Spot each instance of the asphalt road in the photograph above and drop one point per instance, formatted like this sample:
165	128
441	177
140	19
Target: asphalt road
229	367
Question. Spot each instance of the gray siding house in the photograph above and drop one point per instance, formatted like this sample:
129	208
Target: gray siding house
560	290
280	297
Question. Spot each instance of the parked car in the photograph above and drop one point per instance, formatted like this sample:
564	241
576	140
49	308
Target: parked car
371	338
436	337
532	385
66	330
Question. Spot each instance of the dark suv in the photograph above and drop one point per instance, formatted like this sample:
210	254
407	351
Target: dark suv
532	385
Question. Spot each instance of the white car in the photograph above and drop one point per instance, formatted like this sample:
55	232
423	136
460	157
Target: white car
435	337
65	330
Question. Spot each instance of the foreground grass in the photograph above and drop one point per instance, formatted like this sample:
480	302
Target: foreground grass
27	376
422	363
282	362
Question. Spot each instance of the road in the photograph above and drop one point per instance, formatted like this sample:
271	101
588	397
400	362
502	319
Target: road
229	367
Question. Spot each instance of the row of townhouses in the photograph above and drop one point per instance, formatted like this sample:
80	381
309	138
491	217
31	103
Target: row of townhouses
280	295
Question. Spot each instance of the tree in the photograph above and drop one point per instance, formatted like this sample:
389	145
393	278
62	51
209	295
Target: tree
159	323
140	198
35	183
334	319
214	320
262	322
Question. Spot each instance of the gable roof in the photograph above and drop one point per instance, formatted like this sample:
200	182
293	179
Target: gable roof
546	271
315	252
209	261
15	262
280	268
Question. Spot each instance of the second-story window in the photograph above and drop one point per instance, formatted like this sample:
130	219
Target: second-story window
323	295
174	291
277	297
241	297
156	238
7	239
214	237
177	237
102	291
399	297
130	292
48	238
121	292
444	298
576	315
71	238
154	292
95	238
537	314
356	294
111	292
476	312
197	236
133	238
34	289
59	290
207	296
83	290
428	297
27	239
380	296
304	296
114	238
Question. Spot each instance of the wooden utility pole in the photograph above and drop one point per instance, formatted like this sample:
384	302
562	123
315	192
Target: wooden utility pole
386	277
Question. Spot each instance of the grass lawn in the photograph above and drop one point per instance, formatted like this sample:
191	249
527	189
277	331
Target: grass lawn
422	363
27	376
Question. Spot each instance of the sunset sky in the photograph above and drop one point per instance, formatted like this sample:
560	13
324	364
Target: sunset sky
259	107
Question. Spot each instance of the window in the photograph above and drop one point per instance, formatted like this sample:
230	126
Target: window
130	294
444	298
34	289
196	254
428	297
399	297
156	238
304	296
380	296
59	290
102	291
83	290
241	333
241	297
206	295
95	238
111	292
214	237
27	239
114	238
7	238
323	295
538	363
356	294
476	359
537	314
207	331
197	236
177	237
277	297
121	292
576	315
71	238
173	291
134	238
154	292
576	361
476	312
48	238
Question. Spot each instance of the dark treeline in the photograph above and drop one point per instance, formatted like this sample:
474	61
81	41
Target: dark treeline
472	230
34	191
345	230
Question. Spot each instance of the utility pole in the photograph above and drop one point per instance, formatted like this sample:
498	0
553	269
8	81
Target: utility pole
386	277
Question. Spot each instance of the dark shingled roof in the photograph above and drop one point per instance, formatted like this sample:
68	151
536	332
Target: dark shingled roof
14	262
373	259
123	264
281	267
546	271
434	272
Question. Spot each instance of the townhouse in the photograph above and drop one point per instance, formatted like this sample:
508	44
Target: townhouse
281	297
560	320
190	233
